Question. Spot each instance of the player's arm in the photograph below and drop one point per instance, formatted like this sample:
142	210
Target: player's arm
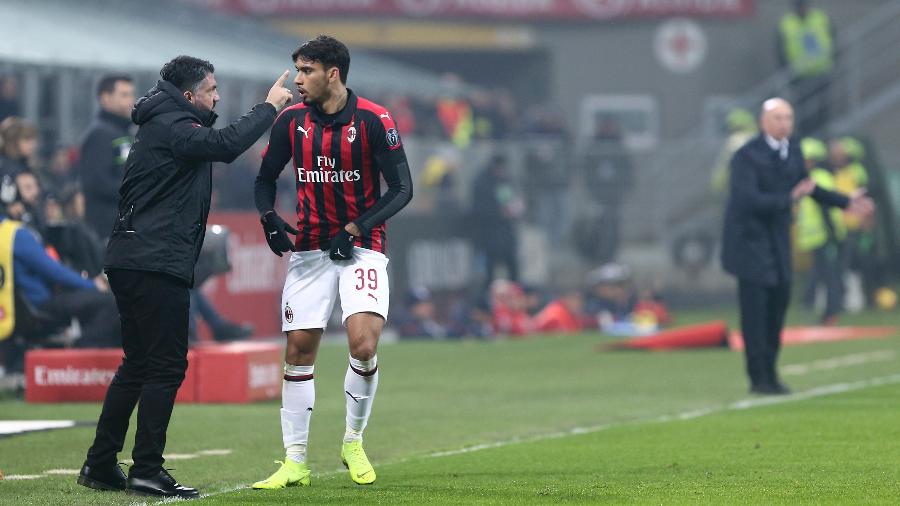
391	160
274	158
395	170
276	155
194	142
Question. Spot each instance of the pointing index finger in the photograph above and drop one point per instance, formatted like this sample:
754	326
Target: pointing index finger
283	78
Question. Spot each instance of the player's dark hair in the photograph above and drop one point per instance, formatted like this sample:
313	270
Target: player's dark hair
328	51
107	83
186	72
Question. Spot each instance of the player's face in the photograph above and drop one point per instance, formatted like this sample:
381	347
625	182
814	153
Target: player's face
312	81
207	94
778	121
120	100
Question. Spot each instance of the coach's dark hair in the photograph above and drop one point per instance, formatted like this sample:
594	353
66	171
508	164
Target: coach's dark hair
186	72
328	51
107	83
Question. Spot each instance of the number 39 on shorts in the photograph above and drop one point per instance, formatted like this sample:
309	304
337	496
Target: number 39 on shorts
366	277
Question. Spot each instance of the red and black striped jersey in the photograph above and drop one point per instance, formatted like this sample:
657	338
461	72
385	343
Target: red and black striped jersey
339	160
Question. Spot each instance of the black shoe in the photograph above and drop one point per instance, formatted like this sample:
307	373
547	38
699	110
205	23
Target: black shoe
161	485
232	331
102	478
776	388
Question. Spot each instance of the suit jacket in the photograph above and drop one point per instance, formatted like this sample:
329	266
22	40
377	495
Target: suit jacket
756	245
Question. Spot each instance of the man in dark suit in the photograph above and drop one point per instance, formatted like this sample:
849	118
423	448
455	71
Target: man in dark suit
767	177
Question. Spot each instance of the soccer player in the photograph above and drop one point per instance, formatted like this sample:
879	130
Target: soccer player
341	146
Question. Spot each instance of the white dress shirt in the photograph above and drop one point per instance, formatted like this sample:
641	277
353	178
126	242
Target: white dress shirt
779	145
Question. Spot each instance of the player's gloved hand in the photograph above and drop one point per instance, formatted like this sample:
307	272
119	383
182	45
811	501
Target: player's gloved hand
342	246
276	233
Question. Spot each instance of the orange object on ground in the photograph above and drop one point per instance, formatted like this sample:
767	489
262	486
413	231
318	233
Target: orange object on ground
803	335
703	335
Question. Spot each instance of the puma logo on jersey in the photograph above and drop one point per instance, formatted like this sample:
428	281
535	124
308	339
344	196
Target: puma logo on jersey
385	115
374	297
304	130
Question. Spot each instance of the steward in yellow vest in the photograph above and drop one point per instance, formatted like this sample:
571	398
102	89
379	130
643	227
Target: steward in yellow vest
822	231
807	41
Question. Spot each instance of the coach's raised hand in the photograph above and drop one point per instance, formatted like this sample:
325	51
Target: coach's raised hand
279	96
276	233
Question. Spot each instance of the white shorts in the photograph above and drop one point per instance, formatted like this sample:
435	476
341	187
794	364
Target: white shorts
313	282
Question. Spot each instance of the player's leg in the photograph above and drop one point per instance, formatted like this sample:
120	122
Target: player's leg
307	301
364	299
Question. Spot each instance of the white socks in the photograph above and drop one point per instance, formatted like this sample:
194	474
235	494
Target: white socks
298	396
360	384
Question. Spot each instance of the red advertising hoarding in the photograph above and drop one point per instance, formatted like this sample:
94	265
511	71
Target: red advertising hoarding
535	10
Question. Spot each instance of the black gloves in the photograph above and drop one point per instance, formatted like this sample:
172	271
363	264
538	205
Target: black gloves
342	246
276	233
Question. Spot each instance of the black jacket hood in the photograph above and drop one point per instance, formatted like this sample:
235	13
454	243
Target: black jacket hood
165	98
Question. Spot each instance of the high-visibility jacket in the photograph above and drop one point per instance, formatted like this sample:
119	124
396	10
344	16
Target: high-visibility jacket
8	230
847	180
808	45
812	231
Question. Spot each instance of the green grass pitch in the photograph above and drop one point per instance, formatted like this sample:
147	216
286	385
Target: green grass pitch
541	421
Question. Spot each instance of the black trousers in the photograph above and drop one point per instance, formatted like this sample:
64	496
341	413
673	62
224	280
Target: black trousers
153	309
762	318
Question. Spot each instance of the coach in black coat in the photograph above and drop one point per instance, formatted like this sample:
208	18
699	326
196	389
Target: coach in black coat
767	177
163	207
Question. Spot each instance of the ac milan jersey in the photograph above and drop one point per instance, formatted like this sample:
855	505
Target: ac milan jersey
339	160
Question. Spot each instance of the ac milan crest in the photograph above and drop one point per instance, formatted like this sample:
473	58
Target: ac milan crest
351	134
288	313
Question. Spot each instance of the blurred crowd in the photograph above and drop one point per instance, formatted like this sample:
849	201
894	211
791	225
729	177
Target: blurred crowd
610	301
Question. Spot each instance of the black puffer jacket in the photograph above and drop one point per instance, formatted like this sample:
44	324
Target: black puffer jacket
165	195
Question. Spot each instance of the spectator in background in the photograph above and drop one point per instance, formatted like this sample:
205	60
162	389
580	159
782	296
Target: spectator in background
806	46
848	156
741	128
508	304
549	175
496	210
822	232
611	295
77	244
58	175
104	151
470	319
455	114
564	315
9	97
31	199
439	179
419	317
55	289
608	176
18	145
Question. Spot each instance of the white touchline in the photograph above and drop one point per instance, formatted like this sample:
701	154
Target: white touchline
838	362
688	415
